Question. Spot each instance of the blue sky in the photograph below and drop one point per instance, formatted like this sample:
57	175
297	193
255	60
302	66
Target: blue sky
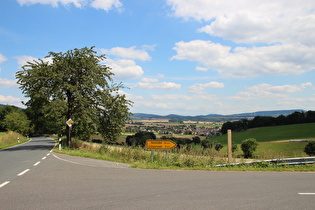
175	56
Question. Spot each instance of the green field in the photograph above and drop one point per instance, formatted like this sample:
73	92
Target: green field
273	133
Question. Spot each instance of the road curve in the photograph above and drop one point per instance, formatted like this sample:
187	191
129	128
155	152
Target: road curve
21	158
64	182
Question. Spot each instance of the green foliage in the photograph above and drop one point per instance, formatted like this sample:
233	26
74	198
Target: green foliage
74	85
17	121
4	110
139	138
310	148
234	148
218	146
196	140
207	143
263	121
249	147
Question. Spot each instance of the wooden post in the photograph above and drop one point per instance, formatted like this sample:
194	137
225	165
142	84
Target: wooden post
229	146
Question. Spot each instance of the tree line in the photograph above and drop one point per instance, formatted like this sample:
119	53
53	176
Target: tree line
262	121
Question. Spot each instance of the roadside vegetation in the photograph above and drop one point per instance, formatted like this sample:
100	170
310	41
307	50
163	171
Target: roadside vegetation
193	154
10	138
178	159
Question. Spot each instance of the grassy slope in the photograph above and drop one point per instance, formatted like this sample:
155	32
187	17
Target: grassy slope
273	133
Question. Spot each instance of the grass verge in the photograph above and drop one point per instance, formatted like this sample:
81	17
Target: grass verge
10	138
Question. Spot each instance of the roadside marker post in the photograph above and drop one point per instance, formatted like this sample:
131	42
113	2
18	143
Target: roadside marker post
60	143
229	146
159	145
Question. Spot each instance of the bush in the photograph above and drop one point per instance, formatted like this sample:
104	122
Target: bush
218	146
310	148
139	138
249	147
206	144
234	148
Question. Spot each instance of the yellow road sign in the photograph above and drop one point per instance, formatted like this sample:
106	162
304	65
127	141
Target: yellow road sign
160	144
69	122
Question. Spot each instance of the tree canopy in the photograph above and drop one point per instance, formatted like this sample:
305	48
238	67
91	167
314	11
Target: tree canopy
75	85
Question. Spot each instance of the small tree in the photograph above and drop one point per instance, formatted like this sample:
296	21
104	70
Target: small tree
249	147
310	148
196	140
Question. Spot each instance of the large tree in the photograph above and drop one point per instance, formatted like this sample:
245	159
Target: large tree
76	85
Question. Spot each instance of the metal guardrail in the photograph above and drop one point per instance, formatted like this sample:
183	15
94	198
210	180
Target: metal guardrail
284	161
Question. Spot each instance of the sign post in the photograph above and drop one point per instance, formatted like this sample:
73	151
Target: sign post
159	145
69	123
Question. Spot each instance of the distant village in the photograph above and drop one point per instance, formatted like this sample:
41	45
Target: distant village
165	127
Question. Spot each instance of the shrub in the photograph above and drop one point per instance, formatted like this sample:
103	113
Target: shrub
249	147
218	146
310	148
206	144
234	148
139	138
196	140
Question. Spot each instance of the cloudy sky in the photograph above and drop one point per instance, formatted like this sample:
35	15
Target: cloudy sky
175	56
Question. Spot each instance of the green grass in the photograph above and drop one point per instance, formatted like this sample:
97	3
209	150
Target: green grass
273	133
9	139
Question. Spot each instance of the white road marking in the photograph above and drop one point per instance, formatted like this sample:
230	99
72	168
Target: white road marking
306	193
23	172
37	163
43	158
4	183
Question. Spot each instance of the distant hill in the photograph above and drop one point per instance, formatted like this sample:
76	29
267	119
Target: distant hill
215	117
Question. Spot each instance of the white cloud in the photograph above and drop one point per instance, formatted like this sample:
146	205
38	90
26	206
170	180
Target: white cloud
54	3
2	58
8	83
106	4
169	97
199	88
248	62
199	68
125	69
97	4
130	96
129	53
148	80
9	99
154	84
267	91
23	59
249	21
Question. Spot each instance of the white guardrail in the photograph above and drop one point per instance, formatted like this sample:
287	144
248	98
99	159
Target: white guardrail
284	161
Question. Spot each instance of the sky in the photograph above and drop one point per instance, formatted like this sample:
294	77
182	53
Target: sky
174	56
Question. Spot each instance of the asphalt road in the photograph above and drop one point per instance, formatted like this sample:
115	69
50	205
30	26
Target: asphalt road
64	182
